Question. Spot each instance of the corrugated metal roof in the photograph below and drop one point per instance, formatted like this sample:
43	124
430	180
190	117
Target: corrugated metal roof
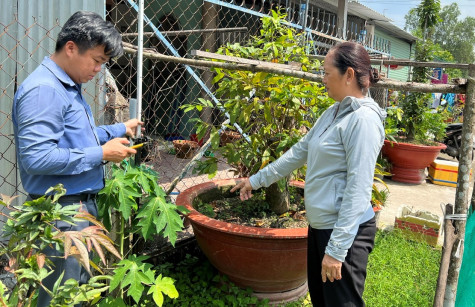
379	20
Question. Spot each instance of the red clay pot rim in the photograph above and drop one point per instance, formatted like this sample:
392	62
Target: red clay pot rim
408	146
185	199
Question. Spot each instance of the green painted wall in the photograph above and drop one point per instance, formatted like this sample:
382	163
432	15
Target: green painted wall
400	49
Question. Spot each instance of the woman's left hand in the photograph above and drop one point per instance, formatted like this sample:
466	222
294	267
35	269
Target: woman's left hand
331	269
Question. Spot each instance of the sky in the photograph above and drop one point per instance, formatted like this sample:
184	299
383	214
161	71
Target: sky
397	9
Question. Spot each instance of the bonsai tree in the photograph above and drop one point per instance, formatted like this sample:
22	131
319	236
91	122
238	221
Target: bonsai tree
274	111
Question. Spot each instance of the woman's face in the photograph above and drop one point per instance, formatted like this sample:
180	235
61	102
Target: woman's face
334	81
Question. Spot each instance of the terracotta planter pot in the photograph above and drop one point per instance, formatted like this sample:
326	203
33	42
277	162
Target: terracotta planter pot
229	137
185	149
268	260
409	161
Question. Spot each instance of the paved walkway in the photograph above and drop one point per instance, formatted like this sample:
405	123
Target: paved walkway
425	197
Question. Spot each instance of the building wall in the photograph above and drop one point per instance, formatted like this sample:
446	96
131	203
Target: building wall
28	31
400	49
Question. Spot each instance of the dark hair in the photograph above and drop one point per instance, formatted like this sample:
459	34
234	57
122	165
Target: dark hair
351	54
88	30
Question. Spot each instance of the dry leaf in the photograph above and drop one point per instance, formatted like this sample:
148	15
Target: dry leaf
40	259
8	199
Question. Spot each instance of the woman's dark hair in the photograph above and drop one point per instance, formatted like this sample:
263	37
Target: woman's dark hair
88	30
351	54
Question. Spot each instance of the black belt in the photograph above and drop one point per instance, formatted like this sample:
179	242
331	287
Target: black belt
70	198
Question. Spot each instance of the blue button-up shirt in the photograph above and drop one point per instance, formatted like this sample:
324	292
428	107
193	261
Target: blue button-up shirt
55	136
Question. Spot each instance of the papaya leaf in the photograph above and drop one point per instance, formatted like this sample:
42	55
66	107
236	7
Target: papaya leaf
162	285
130	275
156	216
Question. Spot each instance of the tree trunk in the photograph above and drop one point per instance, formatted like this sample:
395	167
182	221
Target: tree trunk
277	198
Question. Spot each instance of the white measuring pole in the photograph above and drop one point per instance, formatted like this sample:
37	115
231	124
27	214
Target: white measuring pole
140	65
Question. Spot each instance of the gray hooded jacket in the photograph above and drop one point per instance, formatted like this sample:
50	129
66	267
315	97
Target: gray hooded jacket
340	151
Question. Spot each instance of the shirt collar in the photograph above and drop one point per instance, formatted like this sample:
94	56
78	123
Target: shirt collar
58	72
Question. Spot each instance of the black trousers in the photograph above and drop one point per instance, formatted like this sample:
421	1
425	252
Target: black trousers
347	291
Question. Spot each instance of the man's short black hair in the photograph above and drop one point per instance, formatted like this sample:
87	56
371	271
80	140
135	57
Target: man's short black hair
88	30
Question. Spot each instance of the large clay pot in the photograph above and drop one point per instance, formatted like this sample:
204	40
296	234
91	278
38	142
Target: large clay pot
409	161
272	262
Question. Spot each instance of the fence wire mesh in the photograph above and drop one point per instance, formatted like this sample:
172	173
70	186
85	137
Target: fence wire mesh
172	28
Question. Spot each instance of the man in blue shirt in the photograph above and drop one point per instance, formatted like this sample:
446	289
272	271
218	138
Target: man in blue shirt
56	138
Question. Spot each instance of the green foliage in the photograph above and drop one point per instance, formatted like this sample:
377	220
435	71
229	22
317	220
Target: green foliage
270	108
132	274
379	196
428	13
134	191
407	277
415	122
31	227
199	284
451	33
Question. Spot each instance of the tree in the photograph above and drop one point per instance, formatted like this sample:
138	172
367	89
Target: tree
272	109
451	33
428	13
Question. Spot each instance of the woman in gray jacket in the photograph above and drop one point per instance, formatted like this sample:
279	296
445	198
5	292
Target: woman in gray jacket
340	151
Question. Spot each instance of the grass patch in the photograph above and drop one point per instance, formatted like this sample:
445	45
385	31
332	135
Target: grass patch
400	273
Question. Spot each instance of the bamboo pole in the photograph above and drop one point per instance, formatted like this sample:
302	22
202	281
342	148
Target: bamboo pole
403	62
462	197
384	83
189	32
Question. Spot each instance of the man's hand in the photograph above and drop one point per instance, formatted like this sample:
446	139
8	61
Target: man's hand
245	187
131	126
116	151
331	269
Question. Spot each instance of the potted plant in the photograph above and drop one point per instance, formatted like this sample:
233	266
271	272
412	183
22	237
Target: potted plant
414	146
379	196
274	111
419	128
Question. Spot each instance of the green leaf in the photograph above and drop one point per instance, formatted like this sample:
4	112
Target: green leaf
259	77
131	273
158	215
163	285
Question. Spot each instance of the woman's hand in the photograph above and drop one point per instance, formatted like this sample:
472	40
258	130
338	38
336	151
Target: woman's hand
331	269
246	189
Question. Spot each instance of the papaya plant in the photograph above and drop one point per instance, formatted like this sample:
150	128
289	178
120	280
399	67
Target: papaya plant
273	110
133	201
132	191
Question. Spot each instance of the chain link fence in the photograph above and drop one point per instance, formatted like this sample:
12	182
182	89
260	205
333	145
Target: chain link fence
173	28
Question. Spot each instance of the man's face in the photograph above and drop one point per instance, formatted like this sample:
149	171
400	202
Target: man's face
84	66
